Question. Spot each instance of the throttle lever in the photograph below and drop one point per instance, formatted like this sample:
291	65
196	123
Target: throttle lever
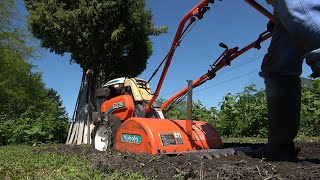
223	45
228	53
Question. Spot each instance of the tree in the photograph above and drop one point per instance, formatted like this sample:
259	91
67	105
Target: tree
13	35
13	53
109	36
30	112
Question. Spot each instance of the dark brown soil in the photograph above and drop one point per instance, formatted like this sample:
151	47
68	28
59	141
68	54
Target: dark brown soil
190	167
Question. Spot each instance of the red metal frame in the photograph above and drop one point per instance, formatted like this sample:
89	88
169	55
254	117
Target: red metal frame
211	72
261	9
194	12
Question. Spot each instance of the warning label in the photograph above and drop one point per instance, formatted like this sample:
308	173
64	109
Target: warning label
178	137
168	139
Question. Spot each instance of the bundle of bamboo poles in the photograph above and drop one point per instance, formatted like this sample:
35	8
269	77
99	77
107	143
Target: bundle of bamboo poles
81	125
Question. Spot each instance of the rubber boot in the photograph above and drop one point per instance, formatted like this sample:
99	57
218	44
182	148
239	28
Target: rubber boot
284	103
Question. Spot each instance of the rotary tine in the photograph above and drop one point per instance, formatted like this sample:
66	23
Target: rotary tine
217	153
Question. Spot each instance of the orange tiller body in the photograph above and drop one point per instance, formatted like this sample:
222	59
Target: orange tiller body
161	136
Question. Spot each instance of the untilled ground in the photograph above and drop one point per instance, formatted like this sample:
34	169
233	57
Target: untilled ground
191	167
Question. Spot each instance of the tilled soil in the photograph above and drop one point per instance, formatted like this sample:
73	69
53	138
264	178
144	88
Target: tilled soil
191	167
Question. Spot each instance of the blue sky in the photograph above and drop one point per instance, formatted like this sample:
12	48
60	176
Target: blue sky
232	22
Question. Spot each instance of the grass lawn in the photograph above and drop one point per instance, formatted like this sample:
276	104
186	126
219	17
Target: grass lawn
25	162
264	140
21	162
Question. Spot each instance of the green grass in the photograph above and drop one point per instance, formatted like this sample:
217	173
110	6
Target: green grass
264	140
117	175
308	139
244	140
21	162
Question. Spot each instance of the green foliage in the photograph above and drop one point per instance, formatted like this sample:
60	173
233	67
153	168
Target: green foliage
22	162
30	112
23	130
243	114
178	112
109	35
13	33
310	110
199	111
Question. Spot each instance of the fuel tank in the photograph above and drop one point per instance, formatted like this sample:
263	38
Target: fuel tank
121	106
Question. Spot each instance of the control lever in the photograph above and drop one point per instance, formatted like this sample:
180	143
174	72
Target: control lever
225	56
223	45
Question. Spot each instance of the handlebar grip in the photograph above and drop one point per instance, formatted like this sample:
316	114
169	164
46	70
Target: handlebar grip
223	45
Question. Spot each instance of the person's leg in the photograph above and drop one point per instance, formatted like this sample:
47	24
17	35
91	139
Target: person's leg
301	18
313	60
284	56
281	68
284	102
